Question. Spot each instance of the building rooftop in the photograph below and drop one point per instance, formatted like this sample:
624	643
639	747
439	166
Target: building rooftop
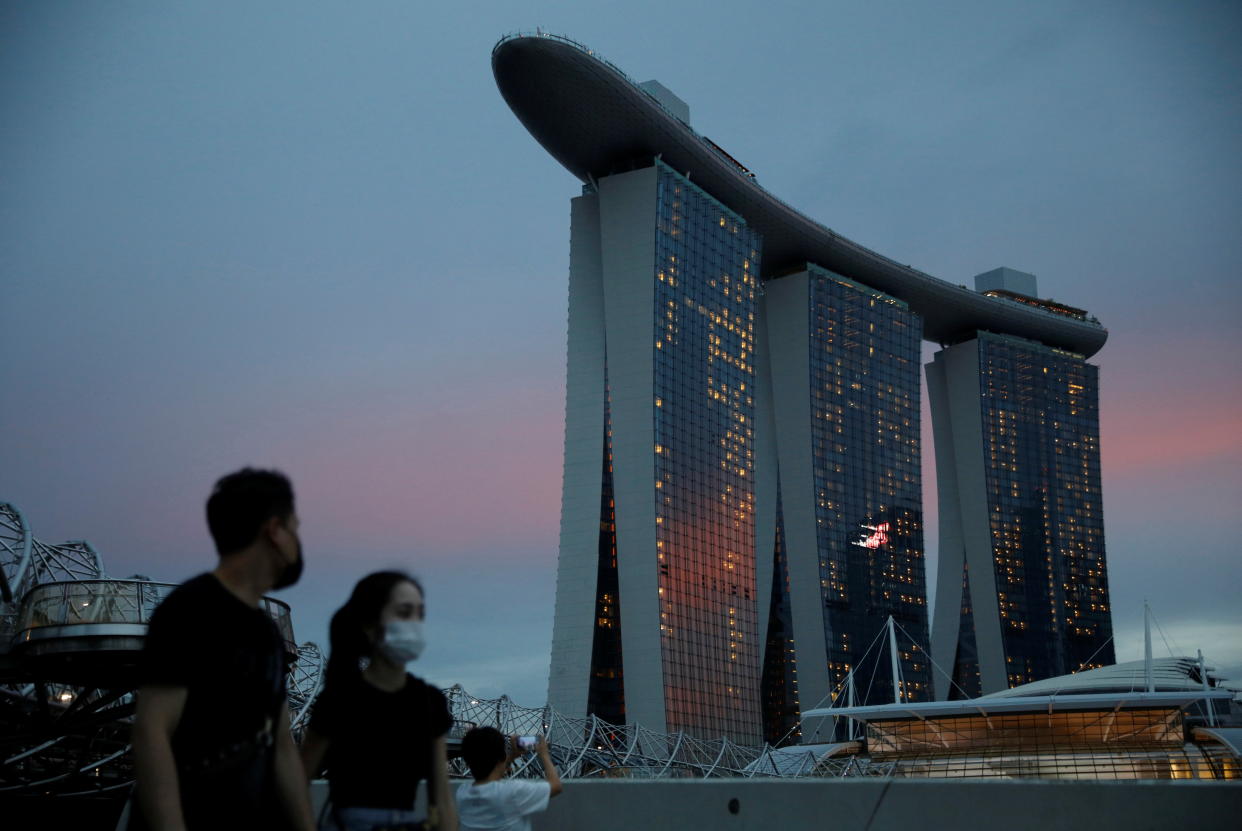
1168	675
596	121
1175	680
990	705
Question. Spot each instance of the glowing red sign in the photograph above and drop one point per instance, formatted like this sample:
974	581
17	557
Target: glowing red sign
877	537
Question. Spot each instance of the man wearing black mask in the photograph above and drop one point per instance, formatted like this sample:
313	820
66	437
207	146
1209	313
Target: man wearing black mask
211	730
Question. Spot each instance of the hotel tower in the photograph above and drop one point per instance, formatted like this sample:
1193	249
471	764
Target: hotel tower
741	513
1022	586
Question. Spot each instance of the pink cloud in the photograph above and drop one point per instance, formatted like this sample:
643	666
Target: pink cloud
1170	404
451	476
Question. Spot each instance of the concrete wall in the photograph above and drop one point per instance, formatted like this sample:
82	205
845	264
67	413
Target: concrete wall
952	551
611	313
577	566
893	805
965	533
627	246
878	805
790	356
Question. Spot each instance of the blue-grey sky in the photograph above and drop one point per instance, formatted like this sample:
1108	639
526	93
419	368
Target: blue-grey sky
311	235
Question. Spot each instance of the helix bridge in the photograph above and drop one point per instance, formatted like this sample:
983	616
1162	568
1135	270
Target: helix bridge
591	748
70	640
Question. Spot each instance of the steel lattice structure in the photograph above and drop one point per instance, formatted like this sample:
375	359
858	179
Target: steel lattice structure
305	681
588	747
26	562
61	733
73	738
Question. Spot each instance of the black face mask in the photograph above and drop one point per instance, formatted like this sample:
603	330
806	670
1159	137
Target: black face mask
291	573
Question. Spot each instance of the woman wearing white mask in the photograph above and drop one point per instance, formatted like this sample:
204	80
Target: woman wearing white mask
379	730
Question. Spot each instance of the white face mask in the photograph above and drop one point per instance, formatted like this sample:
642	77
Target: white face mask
403	641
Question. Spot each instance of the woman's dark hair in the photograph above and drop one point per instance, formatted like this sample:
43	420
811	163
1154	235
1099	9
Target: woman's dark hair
483	748
347	633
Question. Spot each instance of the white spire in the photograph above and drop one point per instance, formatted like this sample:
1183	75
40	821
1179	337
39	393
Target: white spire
1151	683
849	679
1207	702
892	651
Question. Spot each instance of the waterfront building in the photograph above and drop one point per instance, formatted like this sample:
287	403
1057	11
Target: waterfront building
1164	719
741	509
1023	586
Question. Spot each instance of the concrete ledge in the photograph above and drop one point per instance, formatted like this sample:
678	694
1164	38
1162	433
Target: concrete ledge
896	804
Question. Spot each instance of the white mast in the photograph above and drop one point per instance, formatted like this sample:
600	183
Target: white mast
892	651
1207	702
850	702
1151	682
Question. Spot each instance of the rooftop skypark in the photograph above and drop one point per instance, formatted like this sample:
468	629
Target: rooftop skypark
596	121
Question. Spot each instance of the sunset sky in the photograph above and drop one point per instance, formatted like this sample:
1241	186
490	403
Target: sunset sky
312	236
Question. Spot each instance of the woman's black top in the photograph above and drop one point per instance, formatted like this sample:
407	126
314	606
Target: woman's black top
379	743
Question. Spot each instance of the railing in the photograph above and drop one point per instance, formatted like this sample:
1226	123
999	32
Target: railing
583	48
82	602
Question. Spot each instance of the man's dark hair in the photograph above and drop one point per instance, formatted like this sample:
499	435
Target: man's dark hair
241	502
483	748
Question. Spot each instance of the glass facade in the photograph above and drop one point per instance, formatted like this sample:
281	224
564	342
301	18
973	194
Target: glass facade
1106	744
781	712
869	520
706	276
1042	466
966	680
1027	731
606	692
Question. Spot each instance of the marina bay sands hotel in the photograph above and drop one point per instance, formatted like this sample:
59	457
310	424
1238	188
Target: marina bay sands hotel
742	509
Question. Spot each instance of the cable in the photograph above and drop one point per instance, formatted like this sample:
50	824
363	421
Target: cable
837	689
871	680
1084	663
931	659
875	809
1160	629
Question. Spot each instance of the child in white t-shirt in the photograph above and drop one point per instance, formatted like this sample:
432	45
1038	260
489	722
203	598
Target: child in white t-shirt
491	802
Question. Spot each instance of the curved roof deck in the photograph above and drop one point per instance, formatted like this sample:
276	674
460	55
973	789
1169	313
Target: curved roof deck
91	631
595	121
991	706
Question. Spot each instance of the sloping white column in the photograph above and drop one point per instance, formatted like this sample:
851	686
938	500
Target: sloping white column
577	565
627	235
765	478
789	342
952	551
957	422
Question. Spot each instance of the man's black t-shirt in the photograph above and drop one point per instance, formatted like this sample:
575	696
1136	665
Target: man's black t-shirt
230	657
380	743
